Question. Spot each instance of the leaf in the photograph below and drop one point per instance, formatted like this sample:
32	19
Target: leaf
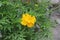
0	3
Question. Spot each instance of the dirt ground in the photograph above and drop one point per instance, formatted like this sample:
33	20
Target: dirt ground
56	30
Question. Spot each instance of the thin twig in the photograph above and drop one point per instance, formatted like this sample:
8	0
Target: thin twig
53	9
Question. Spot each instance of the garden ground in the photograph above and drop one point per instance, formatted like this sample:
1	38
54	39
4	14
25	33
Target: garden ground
56	30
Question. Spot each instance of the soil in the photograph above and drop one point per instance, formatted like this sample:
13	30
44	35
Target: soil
56	30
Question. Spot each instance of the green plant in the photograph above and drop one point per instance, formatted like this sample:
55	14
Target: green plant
10	14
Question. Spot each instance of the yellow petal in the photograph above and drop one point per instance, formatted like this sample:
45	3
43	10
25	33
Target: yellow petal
30	25
23	23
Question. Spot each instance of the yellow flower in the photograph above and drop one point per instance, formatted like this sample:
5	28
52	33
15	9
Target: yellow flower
28	20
